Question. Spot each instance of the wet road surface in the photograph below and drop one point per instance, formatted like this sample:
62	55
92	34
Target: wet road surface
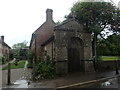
110	83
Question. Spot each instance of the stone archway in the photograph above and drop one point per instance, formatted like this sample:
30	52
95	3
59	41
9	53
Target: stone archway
75	55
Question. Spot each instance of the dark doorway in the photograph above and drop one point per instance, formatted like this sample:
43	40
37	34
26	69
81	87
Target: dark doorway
75	55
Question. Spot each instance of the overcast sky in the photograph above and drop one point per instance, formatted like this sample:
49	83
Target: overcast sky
20	18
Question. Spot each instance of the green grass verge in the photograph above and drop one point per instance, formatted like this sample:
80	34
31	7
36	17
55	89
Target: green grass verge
109	58
5	61
21	64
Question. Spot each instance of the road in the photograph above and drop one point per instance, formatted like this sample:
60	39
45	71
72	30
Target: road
110	83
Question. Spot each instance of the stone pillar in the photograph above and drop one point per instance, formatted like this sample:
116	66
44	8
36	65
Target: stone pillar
88	59
61	61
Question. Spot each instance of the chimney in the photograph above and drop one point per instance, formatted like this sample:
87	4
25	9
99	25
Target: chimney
49	16
2	38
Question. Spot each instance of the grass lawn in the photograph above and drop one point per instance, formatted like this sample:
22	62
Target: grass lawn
109	58
21	64
1	63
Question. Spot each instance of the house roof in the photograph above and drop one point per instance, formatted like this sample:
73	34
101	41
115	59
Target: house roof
63	27
59	27
34	33
32	38
65	22
4	44
48	41
49	18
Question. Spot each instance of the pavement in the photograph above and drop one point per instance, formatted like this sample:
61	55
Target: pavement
72	80
1	66
17	75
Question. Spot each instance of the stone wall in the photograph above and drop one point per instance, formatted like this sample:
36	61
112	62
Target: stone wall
108	65
49	50
63	35
6	51
4	48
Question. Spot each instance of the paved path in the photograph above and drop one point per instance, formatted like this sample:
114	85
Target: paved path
16	74
1	75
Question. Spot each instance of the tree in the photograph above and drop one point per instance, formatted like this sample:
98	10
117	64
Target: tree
17	49
110	45
20	45
58	22
97	17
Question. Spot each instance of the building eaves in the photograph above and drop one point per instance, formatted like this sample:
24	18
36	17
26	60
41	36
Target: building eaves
4	44
48	41
32	38
33	34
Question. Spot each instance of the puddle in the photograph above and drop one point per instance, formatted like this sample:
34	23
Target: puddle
18	84
21	84
110	83
107	83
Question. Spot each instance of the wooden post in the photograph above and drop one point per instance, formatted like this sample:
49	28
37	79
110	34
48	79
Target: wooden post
116	67
9	74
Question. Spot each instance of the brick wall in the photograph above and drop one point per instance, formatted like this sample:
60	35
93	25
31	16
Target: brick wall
43	33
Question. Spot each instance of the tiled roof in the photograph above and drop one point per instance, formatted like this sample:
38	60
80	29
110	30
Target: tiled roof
48	41
4	44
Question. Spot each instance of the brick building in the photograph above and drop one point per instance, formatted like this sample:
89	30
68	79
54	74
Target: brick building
43	33
4	48
67	44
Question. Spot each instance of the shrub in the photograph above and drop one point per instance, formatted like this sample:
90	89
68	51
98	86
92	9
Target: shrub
0	60
30	64
43	70
30	59
3	60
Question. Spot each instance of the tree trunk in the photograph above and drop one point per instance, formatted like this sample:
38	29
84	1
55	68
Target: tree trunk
95	50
